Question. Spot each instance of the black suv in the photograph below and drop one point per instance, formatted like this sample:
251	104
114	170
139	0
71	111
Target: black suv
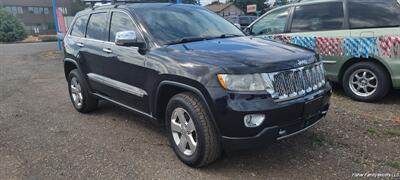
214	88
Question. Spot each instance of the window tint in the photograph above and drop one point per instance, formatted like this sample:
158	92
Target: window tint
365	14
120	22
272	23
318	17
79	27
97	26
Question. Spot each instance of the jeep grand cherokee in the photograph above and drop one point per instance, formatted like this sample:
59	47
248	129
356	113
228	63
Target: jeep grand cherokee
214	88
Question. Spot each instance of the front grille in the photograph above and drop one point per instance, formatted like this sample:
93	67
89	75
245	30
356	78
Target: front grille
297	82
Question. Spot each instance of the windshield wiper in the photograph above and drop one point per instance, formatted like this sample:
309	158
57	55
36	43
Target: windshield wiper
229	35
186	40
223	36
201	38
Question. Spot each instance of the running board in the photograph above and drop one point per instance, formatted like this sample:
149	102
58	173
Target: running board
125	106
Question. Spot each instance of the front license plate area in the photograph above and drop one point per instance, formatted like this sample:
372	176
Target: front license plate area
312	108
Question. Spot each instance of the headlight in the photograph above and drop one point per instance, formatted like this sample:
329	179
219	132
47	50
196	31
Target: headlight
246	82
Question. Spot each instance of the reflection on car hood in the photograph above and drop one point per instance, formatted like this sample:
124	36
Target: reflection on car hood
240	53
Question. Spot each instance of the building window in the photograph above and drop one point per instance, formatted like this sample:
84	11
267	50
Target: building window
46	10
38	10
30	9
14	10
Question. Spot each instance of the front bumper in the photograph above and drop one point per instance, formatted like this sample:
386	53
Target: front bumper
283	119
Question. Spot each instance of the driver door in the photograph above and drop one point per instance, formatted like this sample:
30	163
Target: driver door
125	65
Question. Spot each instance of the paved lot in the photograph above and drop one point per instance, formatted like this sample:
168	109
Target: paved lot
43	137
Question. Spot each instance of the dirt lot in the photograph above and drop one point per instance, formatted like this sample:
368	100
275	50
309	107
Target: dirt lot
43	137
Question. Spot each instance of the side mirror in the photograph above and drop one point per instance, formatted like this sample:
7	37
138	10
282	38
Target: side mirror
247	31
128	38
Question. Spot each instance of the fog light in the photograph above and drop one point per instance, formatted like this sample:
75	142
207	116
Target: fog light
253	120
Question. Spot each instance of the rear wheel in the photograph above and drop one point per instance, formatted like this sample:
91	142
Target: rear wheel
191	132
366	81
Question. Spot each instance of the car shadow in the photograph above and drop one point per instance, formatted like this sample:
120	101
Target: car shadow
117	113
281	153
393	97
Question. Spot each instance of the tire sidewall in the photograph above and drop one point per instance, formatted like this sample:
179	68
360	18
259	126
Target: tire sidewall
72	74
197	156
383	81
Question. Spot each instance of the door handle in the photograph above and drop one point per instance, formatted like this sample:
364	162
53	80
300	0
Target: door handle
80	44
107	50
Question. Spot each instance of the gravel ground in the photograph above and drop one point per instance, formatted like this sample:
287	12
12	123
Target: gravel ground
43	137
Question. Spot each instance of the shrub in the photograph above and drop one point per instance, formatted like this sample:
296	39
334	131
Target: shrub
11	29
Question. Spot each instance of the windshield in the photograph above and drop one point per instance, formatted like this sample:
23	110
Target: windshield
178	24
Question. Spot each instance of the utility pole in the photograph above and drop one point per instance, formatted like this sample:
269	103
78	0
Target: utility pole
54	3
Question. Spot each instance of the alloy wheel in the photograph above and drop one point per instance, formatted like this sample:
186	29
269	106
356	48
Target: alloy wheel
363	82
76	92
183	131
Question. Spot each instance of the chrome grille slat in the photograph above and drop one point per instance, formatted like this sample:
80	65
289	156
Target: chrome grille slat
298	82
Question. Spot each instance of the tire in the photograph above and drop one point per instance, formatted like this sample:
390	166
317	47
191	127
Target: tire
79	93
377	87
208	148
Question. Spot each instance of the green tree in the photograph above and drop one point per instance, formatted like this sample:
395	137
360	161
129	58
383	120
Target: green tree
11	29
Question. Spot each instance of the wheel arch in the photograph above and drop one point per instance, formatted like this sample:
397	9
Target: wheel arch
168	88
353	61
69	65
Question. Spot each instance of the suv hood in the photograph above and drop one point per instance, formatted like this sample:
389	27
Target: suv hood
244	54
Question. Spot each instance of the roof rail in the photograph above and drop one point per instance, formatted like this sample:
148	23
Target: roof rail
113	2
94	2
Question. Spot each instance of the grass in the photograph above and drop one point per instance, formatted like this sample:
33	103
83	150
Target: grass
392	132
371	131
395	165
317	139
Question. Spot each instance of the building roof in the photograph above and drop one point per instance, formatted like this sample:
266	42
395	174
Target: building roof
218	7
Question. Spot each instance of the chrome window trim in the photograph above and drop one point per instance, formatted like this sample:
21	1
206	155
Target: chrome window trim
108	26
117	85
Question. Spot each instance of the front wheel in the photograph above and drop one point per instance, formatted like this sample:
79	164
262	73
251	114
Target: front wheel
191	132
79	93
366	82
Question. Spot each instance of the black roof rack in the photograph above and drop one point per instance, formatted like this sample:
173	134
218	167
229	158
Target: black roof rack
93	2
113	2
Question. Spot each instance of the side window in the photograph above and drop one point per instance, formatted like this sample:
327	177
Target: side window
97	26
120	22
369	15
272	23
318	17
79	28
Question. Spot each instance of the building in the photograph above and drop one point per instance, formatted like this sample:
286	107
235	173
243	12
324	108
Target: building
37	15
225	10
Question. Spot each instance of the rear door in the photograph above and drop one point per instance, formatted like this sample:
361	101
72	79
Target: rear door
76	39
93	54
124	66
